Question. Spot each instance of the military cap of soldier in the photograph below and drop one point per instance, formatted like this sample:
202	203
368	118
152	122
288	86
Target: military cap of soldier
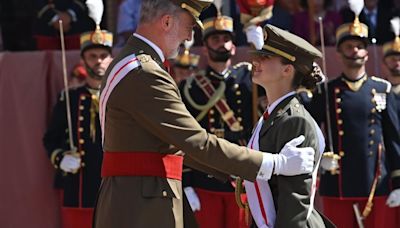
147	129
391	54
186	63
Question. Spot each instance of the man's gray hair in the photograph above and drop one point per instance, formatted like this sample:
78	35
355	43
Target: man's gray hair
154	9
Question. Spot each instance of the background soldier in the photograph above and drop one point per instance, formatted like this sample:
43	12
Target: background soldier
80	166
220	98
185	64
365	135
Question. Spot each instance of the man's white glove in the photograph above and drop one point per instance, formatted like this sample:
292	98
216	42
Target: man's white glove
329	162
255	36
70	163
193	199
394	198
289	162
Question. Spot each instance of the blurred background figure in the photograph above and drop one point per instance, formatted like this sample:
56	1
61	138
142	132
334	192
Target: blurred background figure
185	64
78	76
376	15
306	23
128	18
75	18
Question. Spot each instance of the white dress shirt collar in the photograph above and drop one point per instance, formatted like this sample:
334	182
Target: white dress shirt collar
151	44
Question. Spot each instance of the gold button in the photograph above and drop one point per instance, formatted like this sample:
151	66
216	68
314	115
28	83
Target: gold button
238	93
211	111
83	97
94	97
212	130
81	107
81	129
371	142
241	128
82	152
337	90
373	91
81	118
372	131
339	121
339	110
341	133
341	153
212	120
373	110
236	86
371	153
239	110
82	164
338	100
239	119
81	141
239	101
164	193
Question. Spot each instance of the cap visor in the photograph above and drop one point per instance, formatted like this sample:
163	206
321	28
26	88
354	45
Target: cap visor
199	23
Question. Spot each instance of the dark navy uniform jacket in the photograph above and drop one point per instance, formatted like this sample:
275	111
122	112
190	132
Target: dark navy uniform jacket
80	189
238	94
360	121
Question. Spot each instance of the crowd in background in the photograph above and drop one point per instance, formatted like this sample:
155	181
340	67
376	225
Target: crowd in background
36	20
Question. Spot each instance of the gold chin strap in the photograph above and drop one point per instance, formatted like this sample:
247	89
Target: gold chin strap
355	86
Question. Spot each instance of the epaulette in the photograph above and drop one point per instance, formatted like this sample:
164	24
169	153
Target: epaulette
241	64
305	90
388	84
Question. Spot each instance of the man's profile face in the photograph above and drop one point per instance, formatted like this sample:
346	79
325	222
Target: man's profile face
182	29
353	53
97	59
392	62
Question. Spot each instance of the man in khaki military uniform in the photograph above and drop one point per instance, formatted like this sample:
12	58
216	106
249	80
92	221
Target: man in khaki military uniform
146	127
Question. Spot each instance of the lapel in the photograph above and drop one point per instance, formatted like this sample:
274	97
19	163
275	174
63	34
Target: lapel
279	110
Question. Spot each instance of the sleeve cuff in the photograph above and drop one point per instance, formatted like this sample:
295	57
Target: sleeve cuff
55	157
73	15
267	167
54	19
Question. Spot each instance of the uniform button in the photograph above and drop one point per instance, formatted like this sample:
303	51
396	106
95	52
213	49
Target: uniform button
239	119
341	153
211	111
236	86
239	110
81	107
337	90
371	153
212	130
82	164
238	92
239	101
82	152
241	128
373	91
372	131
81	129
338	100
372	121
339	110
81	118
164	193
212	120
83	97
341	133
296	105
81	141
371	142
373	110
339	121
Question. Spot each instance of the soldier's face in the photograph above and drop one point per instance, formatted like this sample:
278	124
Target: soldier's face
179	31
97	60
353	53
392	62
268	70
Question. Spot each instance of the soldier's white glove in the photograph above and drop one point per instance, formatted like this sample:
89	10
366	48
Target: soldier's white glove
255	36
329	161
394	198
289	162
193	199
70	163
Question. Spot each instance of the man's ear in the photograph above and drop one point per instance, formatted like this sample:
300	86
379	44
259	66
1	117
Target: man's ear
166	22
233	51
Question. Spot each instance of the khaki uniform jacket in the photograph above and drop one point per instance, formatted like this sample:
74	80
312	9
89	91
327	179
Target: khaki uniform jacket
145	113
291	194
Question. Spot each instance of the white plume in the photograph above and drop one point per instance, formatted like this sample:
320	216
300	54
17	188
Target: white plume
189	44
96	9
395	22
218	4
356	6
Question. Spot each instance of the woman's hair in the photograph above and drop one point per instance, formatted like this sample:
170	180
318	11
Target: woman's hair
310	80
154	9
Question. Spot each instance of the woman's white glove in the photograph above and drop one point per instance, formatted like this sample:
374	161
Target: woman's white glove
394	198
255	36
193	199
